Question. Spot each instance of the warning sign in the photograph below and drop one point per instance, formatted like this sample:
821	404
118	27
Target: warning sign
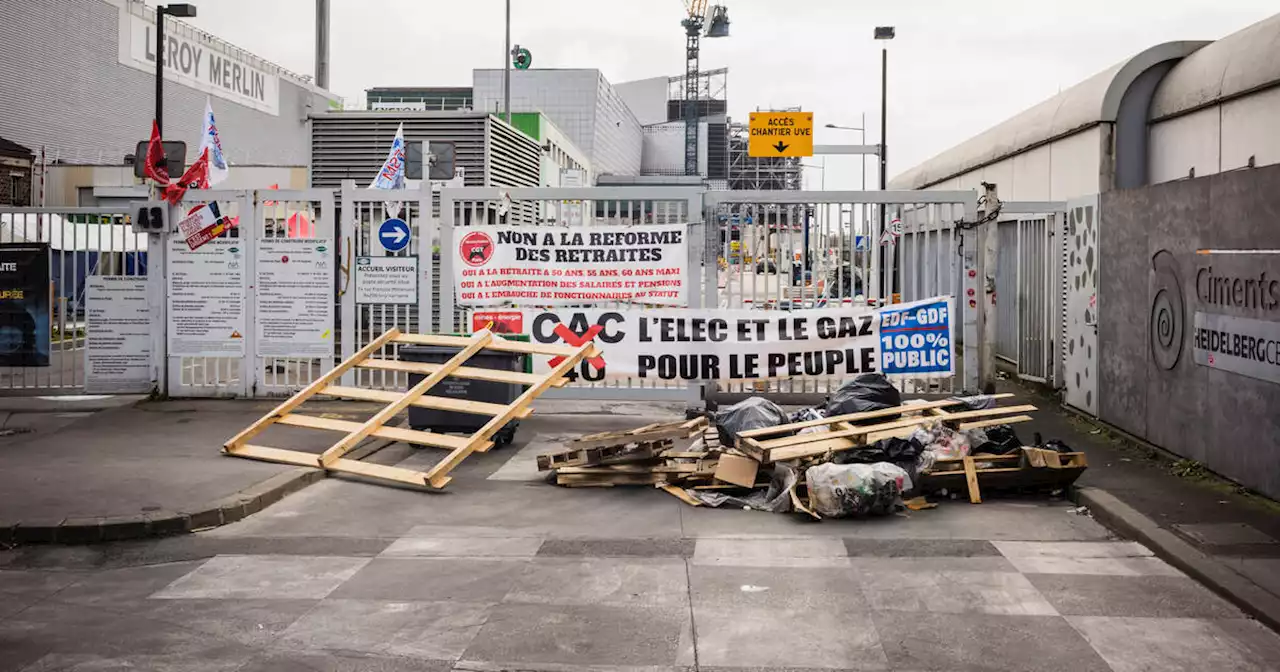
781	134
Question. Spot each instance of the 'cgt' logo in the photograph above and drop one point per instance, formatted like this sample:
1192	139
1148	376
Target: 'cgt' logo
548	328
476	248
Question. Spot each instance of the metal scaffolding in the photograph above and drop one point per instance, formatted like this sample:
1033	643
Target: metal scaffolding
750	173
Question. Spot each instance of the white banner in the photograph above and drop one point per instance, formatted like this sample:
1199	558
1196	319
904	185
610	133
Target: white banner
558	266
196	64
295	297
744	345
206	299
117	338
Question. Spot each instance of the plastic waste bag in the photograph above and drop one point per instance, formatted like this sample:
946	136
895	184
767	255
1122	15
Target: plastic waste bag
867	392
750	413
995	440
844	490
774	499
806	415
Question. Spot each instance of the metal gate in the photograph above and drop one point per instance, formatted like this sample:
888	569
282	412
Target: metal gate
242	370
794	249
588	206
362	211
83	242
1026	296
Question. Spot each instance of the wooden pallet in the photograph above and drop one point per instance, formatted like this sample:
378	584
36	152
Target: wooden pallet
590	457
658	431
1014	471
840	434
459	447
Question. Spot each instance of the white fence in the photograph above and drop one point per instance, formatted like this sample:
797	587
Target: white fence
83	242
767	250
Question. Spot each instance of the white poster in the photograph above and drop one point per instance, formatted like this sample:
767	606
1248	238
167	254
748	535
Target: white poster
117	338
576	265
207	299
198	64
387	280
742	345
294	290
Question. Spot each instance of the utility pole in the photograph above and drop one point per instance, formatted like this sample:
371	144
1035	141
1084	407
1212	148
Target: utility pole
322	43
891	282
506	70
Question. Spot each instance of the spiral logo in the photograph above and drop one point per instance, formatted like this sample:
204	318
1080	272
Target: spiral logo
1168	316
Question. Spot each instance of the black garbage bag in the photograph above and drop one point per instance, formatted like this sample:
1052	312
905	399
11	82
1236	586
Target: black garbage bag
867	392
750	413
1001	440
897	451
978	402
1055	444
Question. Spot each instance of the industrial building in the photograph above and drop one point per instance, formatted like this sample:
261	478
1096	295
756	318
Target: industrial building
1176	110
419	98
581	102
79	83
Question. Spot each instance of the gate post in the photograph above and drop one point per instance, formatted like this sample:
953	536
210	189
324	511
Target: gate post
348	236
158	297
988	251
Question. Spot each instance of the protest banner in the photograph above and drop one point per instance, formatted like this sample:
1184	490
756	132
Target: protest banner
669	345
576	265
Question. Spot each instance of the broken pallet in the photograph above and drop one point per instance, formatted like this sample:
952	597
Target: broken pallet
459	447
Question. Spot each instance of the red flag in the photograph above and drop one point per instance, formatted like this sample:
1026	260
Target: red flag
196	177
157	167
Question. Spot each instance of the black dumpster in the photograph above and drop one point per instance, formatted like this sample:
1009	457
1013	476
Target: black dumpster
464	388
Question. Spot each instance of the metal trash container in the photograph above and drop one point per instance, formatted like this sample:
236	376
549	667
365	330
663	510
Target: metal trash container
464	388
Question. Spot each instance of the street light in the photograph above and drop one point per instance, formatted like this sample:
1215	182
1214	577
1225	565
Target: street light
885	33
178	10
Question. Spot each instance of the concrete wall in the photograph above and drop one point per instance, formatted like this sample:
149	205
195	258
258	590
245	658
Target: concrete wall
647	98
1217	138
1150	383
1066	168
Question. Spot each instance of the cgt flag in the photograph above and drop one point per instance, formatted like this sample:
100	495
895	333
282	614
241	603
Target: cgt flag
218	169
196	177
157	166
391	176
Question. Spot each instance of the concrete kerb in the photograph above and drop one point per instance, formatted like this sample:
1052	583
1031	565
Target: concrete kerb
1128	522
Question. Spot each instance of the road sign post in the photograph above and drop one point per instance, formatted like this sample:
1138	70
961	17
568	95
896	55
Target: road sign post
394	235
786	134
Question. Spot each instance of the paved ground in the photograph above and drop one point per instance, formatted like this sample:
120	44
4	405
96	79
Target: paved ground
506	572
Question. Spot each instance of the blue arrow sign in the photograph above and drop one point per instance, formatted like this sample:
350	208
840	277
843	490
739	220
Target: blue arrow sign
394	235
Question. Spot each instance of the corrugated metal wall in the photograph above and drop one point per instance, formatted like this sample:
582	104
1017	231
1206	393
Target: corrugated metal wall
62	86
353	145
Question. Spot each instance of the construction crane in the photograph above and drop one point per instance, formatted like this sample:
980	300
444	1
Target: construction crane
716	24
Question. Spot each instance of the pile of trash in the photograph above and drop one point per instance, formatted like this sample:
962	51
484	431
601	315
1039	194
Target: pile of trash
864	452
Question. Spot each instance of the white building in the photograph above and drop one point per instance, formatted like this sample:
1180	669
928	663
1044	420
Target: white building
78	82
581	103
1175	110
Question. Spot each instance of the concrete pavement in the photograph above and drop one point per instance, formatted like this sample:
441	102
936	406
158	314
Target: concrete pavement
506	572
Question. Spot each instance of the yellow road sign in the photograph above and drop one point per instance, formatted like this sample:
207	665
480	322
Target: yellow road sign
781	134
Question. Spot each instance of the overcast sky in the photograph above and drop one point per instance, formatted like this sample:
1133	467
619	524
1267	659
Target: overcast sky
956	68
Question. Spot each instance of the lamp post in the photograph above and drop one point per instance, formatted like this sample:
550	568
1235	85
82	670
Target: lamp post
506	70
862	139
181	10
886	33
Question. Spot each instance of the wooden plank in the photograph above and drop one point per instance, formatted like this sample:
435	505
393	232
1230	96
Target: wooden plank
611	479
307	392
812	449
498	343
398	474
679	493
971	479
492	375
394	433
425	401
905	422
499	421
996	421
854	417
630	469
478	341
267	454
